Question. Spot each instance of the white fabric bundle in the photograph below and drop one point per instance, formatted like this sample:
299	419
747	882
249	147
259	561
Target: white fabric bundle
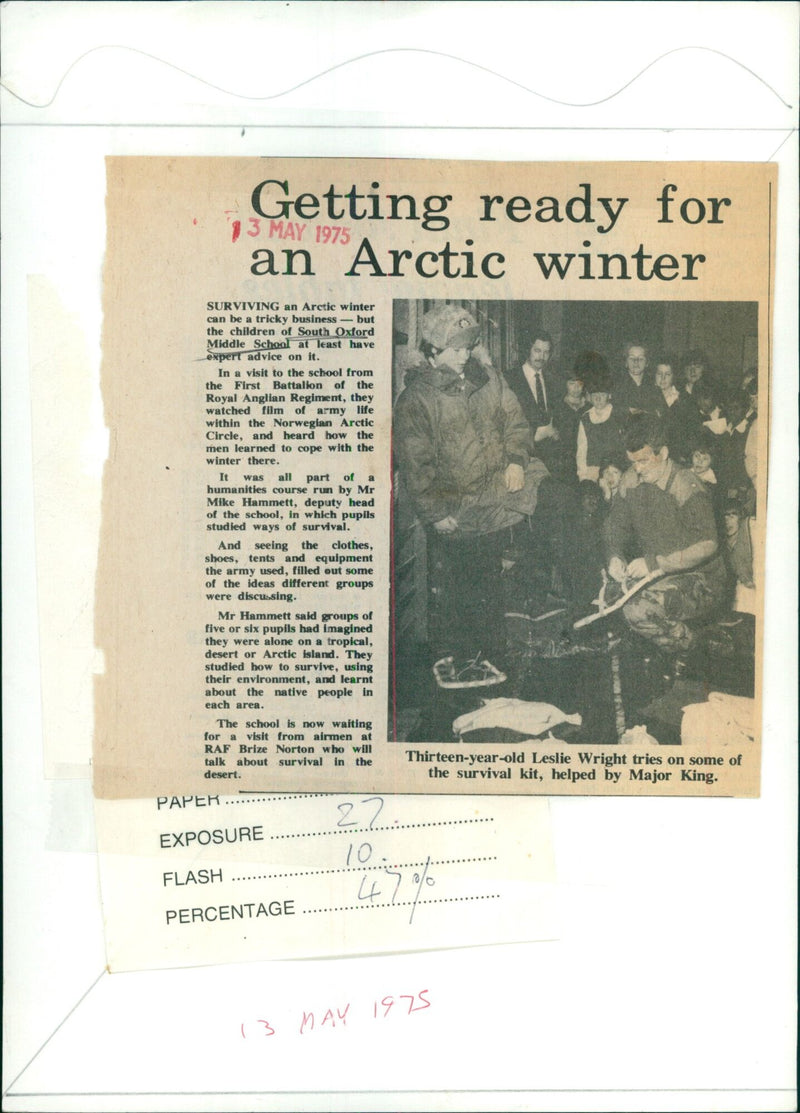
514	714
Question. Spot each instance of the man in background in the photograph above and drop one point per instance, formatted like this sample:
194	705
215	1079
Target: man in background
538	392
535	388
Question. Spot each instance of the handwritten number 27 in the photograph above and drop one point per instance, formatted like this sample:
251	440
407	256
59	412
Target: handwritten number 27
346	809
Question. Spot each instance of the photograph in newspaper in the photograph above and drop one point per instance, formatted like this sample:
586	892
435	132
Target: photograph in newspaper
573	519
433	477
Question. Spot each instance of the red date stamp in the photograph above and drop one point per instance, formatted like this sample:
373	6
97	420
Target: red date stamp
255	226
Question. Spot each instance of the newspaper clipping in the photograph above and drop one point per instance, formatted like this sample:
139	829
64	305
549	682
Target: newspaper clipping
433	477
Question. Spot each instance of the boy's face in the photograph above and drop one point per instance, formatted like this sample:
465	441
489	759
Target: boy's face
636	360
664	376
454	358
701	461
694	373
574	388
731	523
612	476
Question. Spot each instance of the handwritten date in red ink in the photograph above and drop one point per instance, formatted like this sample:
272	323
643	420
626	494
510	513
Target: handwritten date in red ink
381	1010
330	1018
288	230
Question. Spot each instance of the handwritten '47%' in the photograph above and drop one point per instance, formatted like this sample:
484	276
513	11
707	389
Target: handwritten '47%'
373	884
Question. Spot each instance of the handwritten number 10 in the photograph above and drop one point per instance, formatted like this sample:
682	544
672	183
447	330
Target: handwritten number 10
363	854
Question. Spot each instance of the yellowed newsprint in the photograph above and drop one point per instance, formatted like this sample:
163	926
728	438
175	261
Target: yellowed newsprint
433	477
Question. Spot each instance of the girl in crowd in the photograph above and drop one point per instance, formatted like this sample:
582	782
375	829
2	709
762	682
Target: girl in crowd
695	372
600	435
733	442
706	398
567	413
681	416
703	449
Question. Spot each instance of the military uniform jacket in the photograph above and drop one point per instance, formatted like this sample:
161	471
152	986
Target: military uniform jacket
454	438
657	519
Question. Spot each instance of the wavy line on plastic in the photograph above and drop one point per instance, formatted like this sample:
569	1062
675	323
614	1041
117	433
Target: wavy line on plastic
395	50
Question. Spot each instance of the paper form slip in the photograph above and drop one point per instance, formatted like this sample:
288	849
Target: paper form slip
192	880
